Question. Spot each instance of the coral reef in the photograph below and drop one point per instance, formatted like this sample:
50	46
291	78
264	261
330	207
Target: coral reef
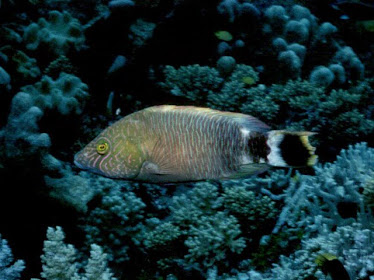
68	69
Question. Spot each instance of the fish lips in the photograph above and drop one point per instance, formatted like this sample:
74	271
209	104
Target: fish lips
78	163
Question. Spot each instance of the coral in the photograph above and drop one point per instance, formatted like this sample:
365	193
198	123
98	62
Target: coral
368	193
59	65
194	82
9	270
59	33
252	209
333	196
295	33
4	79
352	244
231	94
205	84
209	227
212	237
140	32
162	234
65	94
244	74
322	76
225	65
96	268
260	104
74	190
304	105
351	63
59	260
115	220
233	10
26	65
21	136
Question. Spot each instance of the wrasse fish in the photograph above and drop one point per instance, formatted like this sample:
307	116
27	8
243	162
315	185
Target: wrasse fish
164	144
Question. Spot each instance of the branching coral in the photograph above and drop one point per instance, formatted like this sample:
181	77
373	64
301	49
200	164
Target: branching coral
114	222
333	197
352	245
9	270
223	89
194	82
59	260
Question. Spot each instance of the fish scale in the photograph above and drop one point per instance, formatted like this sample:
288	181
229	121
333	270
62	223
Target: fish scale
197	154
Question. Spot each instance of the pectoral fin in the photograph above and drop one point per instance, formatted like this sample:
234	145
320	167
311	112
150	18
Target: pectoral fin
152	172
247	170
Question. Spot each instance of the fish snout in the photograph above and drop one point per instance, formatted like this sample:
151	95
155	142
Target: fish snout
78	161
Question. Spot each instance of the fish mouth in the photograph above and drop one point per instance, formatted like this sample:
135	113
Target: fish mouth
77	163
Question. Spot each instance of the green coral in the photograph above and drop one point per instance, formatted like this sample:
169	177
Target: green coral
162	234
205	85
194	82
253	210
59	33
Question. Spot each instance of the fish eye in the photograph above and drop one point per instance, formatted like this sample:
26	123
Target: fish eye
102	147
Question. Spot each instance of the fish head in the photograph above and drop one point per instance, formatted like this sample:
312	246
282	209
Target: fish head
111	154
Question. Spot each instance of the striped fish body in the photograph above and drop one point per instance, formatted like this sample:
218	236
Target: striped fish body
169	143
192	143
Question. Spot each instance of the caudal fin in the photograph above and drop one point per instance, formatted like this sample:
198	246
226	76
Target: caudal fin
290	149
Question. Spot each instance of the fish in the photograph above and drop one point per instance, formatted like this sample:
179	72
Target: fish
223	35
248	80
330	265
170	144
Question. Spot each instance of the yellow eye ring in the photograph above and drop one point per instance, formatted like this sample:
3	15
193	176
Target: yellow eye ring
102	148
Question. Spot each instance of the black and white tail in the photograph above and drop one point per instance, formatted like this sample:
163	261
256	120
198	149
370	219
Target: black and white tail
290	149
